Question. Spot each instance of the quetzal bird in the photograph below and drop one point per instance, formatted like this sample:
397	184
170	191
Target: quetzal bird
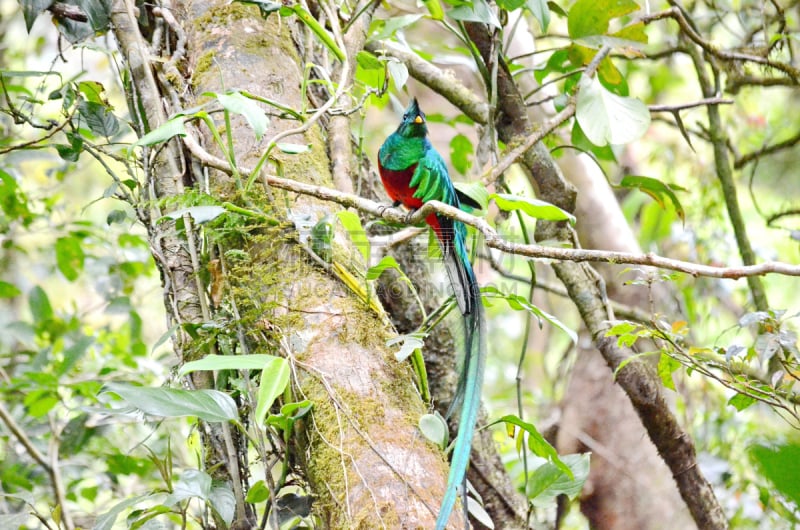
413	173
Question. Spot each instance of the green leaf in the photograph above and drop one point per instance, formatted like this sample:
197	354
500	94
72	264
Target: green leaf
39	304
8	290
478	11
352	223
172	127
387	262
256	361
258	492
387	28
548	481
781	465
591	17
322	239
192	483
237	103
200	214
536	442
540	11
475	191
656	189
461	151
274	378
370	70
99	118
510	5
741	401
666	367
533	207
607	118
398	72
223	502
69	257
208	405
434	428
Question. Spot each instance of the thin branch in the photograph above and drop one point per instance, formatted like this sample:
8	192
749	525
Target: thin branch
743	160
676	14
693	104
493	239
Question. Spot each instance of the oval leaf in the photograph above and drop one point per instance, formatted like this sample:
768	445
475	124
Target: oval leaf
533	207
607	118
434	428
255	115
208	405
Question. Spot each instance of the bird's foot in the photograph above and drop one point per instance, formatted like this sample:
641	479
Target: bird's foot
409	215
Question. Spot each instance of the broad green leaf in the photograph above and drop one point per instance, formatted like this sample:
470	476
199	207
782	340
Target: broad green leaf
781	465
208	405
398	72
478	11
387	262
741	401
69	257
548	481
258	492
475	191
172	127
93	91
666	367
237	103
434	428
607	118
322	239
39	304
370	70
536	442
200	214
256	361
591	17
510	5
192	483
656	189
99	118
461	151
223	502
352	223
540	11
533	207
8	290
478	512
274	378
387	28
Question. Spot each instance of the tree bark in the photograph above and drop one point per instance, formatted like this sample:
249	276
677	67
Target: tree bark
360	449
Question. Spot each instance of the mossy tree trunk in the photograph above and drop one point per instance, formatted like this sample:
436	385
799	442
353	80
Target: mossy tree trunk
258	285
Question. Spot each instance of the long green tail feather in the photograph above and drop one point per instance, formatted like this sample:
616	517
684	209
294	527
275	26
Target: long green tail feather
470	381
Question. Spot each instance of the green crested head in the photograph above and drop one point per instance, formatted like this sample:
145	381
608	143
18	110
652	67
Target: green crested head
414	124
404	147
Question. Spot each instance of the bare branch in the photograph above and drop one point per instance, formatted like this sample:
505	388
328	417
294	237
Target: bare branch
493	239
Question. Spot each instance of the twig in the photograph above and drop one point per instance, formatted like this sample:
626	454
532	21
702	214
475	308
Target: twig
493	239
